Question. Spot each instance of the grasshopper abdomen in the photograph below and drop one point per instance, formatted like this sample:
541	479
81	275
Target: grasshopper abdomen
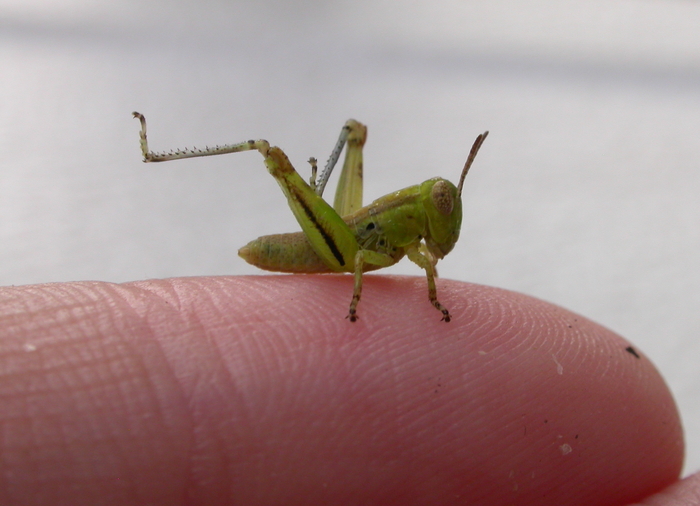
284	253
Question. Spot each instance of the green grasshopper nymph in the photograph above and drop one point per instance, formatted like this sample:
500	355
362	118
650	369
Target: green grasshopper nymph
421	221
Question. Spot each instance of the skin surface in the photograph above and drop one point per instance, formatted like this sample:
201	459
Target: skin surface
257	390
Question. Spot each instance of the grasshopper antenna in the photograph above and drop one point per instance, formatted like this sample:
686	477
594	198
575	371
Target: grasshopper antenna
470	159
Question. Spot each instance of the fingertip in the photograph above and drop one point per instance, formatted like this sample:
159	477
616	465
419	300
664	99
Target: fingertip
241	383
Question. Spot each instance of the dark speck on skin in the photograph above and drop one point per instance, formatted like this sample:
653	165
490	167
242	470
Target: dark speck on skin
632	351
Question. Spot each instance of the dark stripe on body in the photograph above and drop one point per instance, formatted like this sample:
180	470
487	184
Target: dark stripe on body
328	239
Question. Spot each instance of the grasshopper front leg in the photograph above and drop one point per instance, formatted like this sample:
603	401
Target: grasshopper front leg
425	261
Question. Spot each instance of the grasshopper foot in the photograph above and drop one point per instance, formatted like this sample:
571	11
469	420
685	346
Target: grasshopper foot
445	313
352	316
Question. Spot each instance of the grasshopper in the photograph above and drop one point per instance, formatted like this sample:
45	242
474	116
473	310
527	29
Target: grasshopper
421	222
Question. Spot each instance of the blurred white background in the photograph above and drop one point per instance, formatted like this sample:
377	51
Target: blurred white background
585	194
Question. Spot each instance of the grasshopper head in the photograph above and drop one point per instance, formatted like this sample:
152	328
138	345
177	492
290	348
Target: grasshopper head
442	202
443	210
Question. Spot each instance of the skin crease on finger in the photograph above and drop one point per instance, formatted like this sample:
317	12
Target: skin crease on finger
257	390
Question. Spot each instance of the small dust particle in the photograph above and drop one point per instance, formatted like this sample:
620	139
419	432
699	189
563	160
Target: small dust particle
560	368
29	347
565	449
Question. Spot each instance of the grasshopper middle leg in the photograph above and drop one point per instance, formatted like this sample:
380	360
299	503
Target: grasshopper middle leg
362	257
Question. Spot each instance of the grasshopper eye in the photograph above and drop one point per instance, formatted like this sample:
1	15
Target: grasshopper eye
442	198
